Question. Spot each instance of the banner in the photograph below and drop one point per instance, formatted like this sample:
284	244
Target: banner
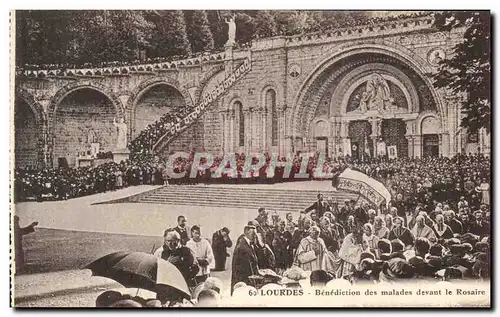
381	148
393	152
371	189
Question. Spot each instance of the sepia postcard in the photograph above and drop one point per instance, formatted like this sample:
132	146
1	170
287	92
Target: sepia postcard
250	158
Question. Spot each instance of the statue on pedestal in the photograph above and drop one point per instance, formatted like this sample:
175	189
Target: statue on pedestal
231	33
121	126
92	141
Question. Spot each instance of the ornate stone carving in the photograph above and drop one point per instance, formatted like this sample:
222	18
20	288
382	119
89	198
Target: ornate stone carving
435	56
294	71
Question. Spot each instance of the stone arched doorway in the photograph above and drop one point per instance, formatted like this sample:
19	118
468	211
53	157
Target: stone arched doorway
430	130
321	135
28	135
83	117
372	97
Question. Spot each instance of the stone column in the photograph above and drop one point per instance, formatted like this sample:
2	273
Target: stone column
444	146
376	132
223	120
232	127
344	136
256	121
228	63
409	135
248	129
440	136
417	146
331	137
264	130
281	128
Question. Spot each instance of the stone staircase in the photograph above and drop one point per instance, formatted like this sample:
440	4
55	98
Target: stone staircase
234	196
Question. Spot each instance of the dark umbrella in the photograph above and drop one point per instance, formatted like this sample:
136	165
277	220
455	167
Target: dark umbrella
139	270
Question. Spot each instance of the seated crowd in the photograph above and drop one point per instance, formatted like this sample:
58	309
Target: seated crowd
65	183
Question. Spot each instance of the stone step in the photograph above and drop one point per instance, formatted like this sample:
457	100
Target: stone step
261	196
225	204
235	197
225	198
281	193
300	204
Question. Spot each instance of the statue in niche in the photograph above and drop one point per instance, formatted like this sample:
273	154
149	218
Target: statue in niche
379	93
376	96
92	141
91	136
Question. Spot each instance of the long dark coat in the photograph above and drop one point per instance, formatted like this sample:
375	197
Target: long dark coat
244	264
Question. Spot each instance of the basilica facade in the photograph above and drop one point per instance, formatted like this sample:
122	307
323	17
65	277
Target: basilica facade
360	91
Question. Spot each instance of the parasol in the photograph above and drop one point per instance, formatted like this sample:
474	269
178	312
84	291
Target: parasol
140	270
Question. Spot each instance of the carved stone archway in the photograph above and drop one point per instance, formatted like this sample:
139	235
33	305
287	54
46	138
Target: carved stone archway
143	88
384	48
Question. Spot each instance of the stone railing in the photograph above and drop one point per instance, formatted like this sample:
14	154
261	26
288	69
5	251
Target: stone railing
208	99
125	70
349	33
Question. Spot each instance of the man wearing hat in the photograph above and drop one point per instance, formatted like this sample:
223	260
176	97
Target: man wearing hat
220	243
245	262
262	221
319	206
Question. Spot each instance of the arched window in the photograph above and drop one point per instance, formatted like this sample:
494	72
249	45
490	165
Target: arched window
241	120
271	105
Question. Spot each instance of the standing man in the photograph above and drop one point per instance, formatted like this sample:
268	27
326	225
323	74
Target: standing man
182	229
202	252
180	256
18	241
245	262
220	243
319	206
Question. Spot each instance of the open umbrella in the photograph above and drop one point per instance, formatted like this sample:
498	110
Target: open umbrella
140	270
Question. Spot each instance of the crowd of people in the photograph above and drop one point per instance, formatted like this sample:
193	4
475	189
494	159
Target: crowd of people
143	144
418	180
329	245
105	64
65	183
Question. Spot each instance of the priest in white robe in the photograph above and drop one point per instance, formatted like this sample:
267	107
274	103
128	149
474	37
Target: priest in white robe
311	251
421	230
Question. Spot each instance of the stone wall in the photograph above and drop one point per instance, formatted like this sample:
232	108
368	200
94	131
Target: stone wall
26	135
79	112
156	102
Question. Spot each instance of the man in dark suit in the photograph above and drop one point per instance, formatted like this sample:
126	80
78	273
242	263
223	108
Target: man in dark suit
180	256
319	206
182	229
479	227
220	243
245	262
